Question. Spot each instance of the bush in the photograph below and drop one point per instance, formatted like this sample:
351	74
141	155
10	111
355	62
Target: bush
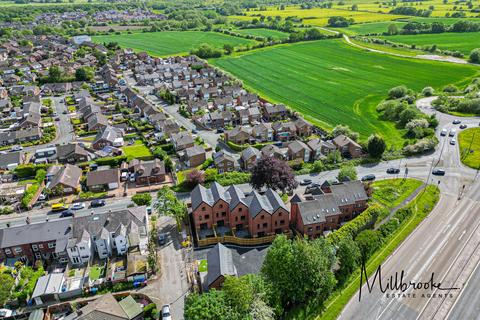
475	56
142	199
111	161
397	92
206	51
28	170
428	91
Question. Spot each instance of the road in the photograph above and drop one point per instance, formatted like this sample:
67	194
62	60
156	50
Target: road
447	243
468	306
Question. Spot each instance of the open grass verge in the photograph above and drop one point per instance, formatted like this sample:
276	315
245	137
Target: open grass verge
469	144
421	207
392	192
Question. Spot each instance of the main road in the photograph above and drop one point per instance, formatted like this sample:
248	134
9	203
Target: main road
445	244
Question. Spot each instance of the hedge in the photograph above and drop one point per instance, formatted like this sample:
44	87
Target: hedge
28	170
363	221
111	161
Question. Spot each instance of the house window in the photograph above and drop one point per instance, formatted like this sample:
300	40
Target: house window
82	248
34	247
258	226
8	251
18	250
220	206
265	225
239	209
51	245
216	214
236	219
282	222
224	214
207	216
203	209
38	255
200	218
262	217
40	246
318	228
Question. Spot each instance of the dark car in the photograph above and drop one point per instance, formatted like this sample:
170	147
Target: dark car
368	177
194	131
311	187
463	126
393	170
162	239
305	182
97	203
67	213
438	172
219	130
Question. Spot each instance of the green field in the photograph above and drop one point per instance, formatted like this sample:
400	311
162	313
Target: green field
463	42
261	32
332	83
171	42
369	28
392	192
469	144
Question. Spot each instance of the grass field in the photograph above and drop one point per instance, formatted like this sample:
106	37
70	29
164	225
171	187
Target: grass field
136	150
369	28
332	83
469	144
275	34
392	192
463	42
171	42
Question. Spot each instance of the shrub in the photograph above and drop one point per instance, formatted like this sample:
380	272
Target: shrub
142	199
475	56
397	92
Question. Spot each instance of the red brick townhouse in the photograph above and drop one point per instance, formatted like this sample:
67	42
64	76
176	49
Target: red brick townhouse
327	207
260	214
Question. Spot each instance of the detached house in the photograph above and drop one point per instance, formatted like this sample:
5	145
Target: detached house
146	172
298	150
182	141
109	136
66	180
347	146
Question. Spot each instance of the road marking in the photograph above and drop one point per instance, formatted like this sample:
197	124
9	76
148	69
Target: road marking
464	231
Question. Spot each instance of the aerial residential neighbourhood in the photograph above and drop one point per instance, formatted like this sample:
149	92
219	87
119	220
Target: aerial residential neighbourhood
234	160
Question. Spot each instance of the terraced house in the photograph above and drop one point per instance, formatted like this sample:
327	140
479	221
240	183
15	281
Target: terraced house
254	215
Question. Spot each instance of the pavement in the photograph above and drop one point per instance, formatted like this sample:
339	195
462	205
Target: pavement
446	243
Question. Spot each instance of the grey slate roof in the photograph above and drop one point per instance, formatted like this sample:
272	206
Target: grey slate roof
315	211
220	263
250	152
10	158
51	283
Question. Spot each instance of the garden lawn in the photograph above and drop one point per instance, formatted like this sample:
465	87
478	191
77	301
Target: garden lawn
171	42
469	144
332	83
261	32
392	192
203	266
463	42
95	273
136	150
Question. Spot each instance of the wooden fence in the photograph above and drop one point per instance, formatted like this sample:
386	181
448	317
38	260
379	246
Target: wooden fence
240	241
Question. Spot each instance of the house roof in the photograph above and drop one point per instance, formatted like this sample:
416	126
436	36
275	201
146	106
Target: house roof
348	192
250	152
69	176
105	307
220	263
51	283
101	177
182	138
10	158
342	140
131	308
63	151
315	211
194	151
297	146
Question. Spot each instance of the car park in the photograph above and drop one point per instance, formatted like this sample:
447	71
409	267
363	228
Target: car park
393	170
368	177
78	206
97	203
438	172
166	312
305	182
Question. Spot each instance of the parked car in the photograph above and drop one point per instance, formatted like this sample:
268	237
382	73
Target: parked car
368	177
444	132
393	170
124	176
453	142
311	187
97	203
194	131
65	112
463	126
42	197
78	206
456	121
16	148
57	119
132	177
166	312
59	207
67	213
220	130
438	172
305	182
452	133
149	210
162	239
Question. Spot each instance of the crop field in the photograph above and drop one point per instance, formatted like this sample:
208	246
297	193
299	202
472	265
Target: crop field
463	42
261	32
332	83
171	42
369	28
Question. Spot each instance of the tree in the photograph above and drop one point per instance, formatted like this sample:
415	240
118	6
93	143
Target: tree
354	7
406	116
348	256
228	48
367	241
208	306
142	199
475	56
54	74
376	146
6	284
299	270
168	204
347	172
84	74
392	29
397	92
194	177
346	131
274	174
428	91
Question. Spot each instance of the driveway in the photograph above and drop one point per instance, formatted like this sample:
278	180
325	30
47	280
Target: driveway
171	285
